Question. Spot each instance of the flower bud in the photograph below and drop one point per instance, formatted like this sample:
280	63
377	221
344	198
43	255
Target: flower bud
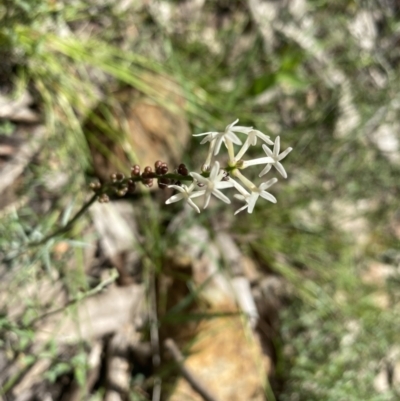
205	168
160	167
95	185
135	170
182	170
122	191
148	182
119	176
164	169
131	186
103	198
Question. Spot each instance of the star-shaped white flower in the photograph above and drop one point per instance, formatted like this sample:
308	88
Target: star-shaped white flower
213	184
251	198
276	158
186	192
216	138
252	140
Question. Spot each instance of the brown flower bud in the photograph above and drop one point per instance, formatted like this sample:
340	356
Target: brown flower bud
95	185
135	170
119	176
122	191
148	182
131	186
157	164
103	198
182	170
149	175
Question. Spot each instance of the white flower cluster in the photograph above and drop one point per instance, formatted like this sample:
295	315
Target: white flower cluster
210	182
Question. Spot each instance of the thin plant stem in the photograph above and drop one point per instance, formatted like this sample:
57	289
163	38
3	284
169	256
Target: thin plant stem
69	225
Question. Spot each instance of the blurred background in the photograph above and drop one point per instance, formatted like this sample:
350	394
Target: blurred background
135	294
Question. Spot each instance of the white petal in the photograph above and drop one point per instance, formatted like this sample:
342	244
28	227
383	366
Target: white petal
206	139
268	151
252	201
265	170
207	199
217	145
193	205
239	188
266	195
205	133
264	137
176	187
252	138
199	178
228	127
214	171
243	130
240	197
267	184
284	154
189	188
223	184
277	146
280	168
233	137
174	198
219	177
196	194
261	160
221	196
242	208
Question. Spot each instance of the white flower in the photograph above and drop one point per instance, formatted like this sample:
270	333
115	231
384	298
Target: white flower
252	140
185	193
253	162
216	138
251	198
276	158
213	183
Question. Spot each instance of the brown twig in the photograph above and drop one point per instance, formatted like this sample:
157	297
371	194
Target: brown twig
170	345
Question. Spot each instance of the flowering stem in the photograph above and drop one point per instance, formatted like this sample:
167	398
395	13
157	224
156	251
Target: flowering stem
244	180
231	151
206	165
171	176
69	225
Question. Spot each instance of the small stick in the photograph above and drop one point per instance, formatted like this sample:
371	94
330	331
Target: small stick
154	335
170	345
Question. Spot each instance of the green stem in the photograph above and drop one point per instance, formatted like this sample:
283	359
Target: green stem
171	176
113	276
105	190
69	225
